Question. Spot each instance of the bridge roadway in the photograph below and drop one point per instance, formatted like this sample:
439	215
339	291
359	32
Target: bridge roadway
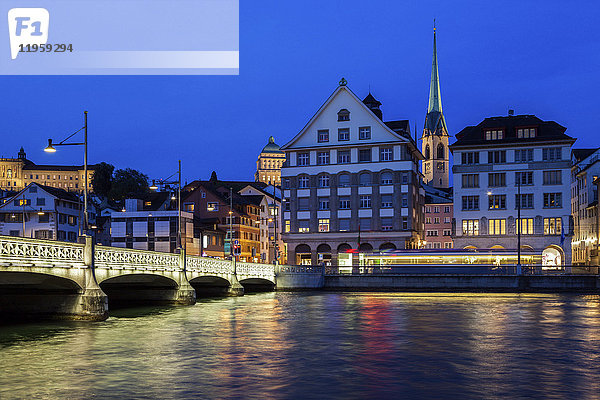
77	281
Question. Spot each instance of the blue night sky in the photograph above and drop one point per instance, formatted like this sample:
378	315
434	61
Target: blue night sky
537	57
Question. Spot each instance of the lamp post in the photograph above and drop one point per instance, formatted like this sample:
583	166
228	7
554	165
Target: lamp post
161	183
51	149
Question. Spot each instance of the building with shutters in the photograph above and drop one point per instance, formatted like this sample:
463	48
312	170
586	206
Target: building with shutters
350	181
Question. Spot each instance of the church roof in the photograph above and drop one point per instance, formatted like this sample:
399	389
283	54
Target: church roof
272	147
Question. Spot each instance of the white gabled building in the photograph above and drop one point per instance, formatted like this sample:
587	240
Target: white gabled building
350	180
489	161
42	212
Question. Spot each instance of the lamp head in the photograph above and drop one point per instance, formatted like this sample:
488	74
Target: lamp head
153	187
50	148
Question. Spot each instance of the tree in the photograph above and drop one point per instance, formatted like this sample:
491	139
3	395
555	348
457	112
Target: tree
102	179
128	184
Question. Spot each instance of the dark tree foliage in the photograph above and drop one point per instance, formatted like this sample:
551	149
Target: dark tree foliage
102	179
128	184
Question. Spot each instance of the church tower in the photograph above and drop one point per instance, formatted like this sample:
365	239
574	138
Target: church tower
435	134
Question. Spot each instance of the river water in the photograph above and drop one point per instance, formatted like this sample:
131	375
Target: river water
316	345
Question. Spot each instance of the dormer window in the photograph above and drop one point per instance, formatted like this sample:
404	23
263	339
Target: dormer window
343	115
494	134
526	133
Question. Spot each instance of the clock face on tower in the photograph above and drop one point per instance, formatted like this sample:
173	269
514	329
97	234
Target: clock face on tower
440	166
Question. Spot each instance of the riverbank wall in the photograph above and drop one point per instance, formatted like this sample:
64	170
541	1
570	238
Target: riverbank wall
438	282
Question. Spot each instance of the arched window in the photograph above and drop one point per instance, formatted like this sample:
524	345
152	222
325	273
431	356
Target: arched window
386	178
440	151
427	152
344	180
343	115
365	179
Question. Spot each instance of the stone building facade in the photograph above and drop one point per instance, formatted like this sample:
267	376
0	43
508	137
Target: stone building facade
350	181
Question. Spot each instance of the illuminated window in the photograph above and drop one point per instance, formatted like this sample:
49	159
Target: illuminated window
287	226
494	134
526	226
497	202
324	225
497	227
470	227
210	206
552	226
552	200
303	226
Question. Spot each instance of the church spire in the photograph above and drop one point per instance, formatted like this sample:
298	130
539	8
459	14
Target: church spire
435	98
435	122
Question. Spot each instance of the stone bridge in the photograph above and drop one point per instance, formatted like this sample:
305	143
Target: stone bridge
42	277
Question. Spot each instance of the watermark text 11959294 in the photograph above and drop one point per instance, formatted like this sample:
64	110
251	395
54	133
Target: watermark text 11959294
120	37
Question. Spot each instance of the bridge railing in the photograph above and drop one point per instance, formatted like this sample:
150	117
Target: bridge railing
208	265
266	271
16	250
111	257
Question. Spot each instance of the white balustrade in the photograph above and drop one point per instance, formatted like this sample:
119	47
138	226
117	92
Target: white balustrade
15	250
107	257
207	265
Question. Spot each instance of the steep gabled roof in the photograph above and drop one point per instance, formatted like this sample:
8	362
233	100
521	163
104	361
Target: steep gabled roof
545	131
340	88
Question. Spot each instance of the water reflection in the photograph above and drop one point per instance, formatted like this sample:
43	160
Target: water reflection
316	345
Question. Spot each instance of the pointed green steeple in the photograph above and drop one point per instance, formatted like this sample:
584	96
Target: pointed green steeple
434	122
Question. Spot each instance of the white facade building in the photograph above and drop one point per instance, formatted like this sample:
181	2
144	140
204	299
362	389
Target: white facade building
42	212
490	160
148	225
584	206
350	180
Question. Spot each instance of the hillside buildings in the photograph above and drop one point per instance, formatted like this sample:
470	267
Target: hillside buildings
16	173
507	165
269	163
350	180
584	205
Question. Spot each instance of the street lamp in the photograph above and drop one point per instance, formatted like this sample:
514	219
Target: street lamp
51	149
519	224
162	182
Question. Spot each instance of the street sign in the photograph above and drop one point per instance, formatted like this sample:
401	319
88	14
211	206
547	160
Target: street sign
236	242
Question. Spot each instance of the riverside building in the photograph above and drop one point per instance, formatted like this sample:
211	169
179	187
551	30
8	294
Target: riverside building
584	206
350	181
504	164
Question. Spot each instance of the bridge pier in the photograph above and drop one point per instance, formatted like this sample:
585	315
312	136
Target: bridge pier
236	288
92	304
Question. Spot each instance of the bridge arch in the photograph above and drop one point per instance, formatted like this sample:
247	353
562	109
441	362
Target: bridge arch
130	289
